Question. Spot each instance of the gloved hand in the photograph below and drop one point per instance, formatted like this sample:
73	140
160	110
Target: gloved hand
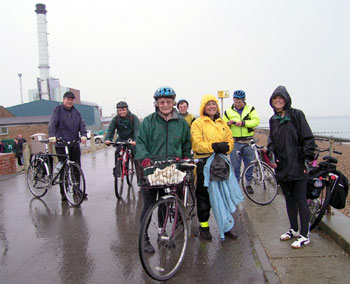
146	163
83	139
221	147
52	139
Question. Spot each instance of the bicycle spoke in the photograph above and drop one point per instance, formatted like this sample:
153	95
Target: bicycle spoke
166	228
262	181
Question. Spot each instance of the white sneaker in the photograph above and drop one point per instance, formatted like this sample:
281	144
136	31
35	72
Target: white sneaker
300	242
289	234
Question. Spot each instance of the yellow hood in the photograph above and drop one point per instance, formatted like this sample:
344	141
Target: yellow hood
205	100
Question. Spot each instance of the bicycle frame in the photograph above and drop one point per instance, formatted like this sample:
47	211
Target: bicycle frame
123	155
257	159
46	158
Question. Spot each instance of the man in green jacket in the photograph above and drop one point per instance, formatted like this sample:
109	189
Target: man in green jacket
162	134
242	119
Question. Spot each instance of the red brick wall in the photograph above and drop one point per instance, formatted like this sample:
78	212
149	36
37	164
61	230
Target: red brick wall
25	130
7	163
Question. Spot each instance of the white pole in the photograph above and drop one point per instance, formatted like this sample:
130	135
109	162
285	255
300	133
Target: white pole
20	86
44	67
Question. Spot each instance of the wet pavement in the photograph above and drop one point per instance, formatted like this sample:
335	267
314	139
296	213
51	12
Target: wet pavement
47	241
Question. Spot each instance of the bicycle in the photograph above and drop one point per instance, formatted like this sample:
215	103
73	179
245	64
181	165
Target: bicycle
124	167
260	176
40	176
323	178
167	224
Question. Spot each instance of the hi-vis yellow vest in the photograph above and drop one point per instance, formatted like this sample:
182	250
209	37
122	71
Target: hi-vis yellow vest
249	116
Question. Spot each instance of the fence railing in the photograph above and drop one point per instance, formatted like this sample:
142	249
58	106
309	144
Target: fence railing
330	138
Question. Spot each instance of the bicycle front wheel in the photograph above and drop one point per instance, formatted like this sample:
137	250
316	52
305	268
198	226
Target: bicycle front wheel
38	179
118	179
74	184
165	228
262	181
130	171
319	206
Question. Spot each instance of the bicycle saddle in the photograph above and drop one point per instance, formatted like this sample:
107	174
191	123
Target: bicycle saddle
330	159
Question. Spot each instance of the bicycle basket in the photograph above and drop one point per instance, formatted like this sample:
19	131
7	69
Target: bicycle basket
165	176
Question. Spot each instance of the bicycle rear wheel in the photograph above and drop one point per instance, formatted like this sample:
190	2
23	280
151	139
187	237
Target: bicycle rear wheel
165	226
319	206
130	171
118	179
74	184
263	183
37	178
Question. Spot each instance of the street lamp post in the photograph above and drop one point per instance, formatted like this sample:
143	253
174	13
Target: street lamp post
20	86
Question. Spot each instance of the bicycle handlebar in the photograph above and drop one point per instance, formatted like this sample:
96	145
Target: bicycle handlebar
127	142
61	140
177	161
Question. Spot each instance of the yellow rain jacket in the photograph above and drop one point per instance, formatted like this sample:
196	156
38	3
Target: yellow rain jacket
205	131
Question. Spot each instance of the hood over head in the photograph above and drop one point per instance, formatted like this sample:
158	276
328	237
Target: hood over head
205	100
282	91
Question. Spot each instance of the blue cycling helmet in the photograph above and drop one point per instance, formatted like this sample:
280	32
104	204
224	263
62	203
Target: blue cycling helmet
164	92
239	94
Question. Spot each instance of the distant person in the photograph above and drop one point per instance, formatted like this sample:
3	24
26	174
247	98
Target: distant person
182	106
162	134
2	146
125	124
242	118
18	148
209	133
67	123
292	142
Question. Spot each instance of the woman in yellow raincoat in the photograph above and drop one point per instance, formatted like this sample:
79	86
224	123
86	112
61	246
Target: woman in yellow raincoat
209	133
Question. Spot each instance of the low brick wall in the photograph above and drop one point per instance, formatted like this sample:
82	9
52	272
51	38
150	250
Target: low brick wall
7	163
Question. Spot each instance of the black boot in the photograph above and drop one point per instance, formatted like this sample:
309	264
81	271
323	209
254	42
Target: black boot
205	234
148	248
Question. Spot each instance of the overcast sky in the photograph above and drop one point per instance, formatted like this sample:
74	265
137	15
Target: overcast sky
111	49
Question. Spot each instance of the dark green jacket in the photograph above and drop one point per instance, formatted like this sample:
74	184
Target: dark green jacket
126	127
158	137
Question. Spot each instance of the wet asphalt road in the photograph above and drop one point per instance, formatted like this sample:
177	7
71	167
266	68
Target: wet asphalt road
47	241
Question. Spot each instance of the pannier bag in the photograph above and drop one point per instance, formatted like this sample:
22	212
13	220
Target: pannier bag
340	192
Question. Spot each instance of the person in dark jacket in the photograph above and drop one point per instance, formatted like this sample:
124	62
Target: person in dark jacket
125	123
292	142
67	123
18	148
161	134
2	146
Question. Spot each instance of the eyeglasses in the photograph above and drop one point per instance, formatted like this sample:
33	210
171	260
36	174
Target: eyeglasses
165	102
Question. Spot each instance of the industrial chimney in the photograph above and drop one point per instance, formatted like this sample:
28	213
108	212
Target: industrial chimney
43	83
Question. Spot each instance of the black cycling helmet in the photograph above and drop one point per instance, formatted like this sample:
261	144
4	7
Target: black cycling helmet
122	104
180	102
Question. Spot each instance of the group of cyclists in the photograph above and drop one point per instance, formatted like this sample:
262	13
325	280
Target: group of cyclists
171	132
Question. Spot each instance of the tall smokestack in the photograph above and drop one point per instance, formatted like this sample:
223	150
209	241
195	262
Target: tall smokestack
43	52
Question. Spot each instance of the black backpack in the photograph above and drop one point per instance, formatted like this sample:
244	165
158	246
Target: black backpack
340	192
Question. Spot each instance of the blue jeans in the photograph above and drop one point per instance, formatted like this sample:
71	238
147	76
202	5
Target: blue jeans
236	160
